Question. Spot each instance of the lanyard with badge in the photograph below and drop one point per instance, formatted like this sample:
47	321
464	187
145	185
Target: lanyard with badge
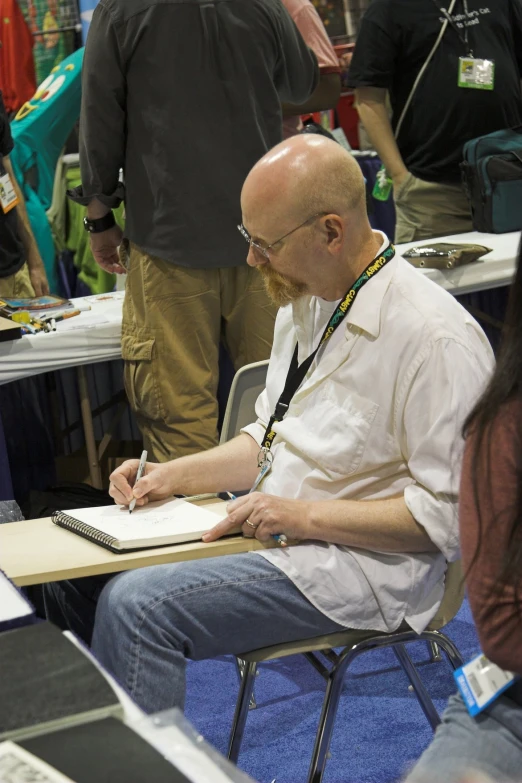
297	372
8	197
481	682
473	73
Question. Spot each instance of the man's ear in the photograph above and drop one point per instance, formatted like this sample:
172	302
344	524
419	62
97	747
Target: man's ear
334	232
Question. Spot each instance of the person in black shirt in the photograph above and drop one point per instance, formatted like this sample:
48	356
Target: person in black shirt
394	41
184	97
22	271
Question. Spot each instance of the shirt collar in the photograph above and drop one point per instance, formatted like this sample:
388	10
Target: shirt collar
365	313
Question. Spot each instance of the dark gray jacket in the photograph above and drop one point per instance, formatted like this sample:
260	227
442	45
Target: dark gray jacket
184	96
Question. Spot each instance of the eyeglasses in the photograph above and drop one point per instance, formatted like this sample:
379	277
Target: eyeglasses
264	250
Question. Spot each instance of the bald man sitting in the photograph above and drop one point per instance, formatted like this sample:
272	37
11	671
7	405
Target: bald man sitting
357	464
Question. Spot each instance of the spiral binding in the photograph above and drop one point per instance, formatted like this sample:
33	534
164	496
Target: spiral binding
64	520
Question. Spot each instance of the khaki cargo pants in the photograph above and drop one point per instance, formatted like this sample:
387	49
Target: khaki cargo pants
173	321
17	285
430	209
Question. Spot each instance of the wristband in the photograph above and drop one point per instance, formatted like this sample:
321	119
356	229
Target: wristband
100	224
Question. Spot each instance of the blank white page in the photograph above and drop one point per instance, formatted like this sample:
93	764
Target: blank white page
175	520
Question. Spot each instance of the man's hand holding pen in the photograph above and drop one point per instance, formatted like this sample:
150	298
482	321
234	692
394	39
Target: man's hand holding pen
264	516
156	483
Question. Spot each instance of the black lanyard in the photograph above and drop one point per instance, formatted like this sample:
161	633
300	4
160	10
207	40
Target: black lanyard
462	38
296	373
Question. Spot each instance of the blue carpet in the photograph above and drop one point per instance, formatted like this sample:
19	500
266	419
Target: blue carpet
380	728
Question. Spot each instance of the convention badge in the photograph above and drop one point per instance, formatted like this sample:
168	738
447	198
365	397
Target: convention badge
383	185
480	682
8	197
476	74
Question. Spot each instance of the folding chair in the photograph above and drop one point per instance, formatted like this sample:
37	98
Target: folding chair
246	387
353	643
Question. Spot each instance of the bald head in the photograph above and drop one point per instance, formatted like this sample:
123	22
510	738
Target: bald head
303	175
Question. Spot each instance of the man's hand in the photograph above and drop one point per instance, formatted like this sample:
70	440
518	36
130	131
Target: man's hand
104	248
156	484
39	279
398	179
268	515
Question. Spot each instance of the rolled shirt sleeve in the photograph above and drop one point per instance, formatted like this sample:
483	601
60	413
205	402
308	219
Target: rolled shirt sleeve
103	110
256	430
431	427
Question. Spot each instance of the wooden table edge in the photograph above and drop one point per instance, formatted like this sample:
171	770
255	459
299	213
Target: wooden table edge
111	563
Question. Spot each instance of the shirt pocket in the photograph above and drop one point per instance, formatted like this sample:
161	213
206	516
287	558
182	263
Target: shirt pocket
336	429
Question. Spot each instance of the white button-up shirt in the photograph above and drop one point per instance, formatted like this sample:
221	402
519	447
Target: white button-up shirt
378	415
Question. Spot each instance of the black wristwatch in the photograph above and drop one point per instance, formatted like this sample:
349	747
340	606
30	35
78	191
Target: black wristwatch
100	224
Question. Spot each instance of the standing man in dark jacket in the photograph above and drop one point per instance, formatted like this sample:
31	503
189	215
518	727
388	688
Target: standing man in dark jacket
22	272
185	97
470	87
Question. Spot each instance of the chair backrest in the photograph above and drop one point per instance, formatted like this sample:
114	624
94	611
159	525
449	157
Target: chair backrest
246	387
453	596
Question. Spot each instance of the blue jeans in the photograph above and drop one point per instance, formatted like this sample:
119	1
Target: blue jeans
490	744
147	622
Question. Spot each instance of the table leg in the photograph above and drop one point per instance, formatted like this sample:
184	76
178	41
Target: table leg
88	429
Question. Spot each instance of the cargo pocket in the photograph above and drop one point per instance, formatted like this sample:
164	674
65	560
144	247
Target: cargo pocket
140	375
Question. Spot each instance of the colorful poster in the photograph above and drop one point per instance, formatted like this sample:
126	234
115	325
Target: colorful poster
53	24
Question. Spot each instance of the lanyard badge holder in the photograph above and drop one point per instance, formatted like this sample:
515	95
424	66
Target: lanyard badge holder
8	198
481	682
383	183
297	372
473	72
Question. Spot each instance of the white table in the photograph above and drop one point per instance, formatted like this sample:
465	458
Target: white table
495	270
91	337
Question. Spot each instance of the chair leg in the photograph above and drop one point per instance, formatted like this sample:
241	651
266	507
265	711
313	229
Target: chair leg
241	713
326	722
240	666
422	694
434	652
454	657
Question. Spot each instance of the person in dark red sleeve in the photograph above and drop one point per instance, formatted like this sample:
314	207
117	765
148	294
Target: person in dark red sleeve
490	514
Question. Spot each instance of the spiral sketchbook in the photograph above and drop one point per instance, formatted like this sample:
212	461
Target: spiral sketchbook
162	523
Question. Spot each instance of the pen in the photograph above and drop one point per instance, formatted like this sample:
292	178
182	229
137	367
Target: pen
58	313
139	474
64	316
280	538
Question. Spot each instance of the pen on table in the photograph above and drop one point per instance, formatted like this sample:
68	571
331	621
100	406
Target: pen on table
139	474
279	537
46	316
64	316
